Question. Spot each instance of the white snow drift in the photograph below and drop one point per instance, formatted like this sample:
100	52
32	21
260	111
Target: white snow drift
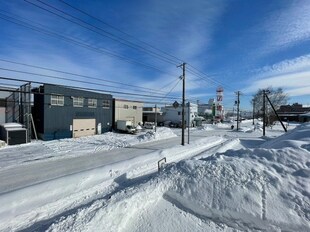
265	188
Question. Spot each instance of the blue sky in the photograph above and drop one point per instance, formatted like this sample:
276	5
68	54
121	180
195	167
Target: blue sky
238	44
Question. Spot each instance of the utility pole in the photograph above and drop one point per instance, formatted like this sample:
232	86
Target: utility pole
188	117
238	103
264	113
183	102
155	117
274	110
253	110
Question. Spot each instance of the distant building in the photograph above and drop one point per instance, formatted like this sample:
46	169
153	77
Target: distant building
304	117
206	109
127	110
174	114
61	112
292	112
150	113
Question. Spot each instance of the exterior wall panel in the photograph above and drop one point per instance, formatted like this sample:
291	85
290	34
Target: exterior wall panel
128	110
55	122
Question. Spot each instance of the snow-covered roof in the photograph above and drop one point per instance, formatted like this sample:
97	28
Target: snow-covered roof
12	125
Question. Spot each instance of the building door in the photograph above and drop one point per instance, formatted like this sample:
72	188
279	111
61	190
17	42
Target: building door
83	127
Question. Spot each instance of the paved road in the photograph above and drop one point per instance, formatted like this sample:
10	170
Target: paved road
36	172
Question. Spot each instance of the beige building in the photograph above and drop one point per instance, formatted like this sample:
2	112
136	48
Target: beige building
127	110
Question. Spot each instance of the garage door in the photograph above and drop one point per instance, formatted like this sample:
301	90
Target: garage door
83	127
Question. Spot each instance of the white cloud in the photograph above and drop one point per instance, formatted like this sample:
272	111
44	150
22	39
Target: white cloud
291	75
287	27
292	24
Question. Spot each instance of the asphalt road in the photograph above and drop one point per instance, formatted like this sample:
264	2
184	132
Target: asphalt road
32	173
36	172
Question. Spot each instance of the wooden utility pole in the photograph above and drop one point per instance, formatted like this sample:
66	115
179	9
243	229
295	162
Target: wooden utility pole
274	110
183	103
253	110
264	113
188	118
238	104
155	117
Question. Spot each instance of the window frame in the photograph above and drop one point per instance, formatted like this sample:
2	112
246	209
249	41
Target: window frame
106	104
79	101
59	100
92	102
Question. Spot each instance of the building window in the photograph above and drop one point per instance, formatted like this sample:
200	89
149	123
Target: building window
92	103
134	107
106	104
57	100
78	101
126	107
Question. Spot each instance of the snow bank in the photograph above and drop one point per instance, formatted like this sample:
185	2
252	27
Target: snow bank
161	133
21	210
298	137
258	189
63	148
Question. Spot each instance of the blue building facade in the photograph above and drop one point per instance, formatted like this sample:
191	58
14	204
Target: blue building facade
62	112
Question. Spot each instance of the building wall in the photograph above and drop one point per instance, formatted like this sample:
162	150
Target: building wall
55	122
149	114
3	96
127	110
175	114
2	115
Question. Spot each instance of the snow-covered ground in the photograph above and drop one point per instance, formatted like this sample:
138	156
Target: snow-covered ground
222	181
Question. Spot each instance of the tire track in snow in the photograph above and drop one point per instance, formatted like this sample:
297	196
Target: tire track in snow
264	201
240	221
214	149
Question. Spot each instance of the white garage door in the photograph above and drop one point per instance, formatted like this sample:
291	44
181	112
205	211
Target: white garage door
83	127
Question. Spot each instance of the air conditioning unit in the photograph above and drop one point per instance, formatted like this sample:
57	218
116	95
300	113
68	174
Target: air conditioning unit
13	133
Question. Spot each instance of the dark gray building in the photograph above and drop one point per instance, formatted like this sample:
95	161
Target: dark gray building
61	112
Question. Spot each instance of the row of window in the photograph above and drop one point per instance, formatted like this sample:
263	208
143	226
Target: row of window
127	107
59	100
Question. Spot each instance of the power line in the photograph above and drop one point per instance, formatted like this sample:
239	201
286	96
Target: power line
113	27
205	77
202	77
84	76
84	88
106	34
69	96
78	42
148	90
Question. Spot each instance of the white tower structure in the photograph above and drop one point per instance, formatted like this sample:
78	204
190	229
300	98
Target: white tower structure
219	103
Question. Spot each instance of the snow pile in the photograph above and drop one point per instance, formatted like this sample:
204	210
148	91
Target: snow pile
246	189
161	133
259	189
298	137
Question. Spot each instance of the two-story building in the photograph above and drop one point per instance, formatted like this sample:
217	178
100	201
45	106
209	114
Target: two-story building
174	114
62	112
127	110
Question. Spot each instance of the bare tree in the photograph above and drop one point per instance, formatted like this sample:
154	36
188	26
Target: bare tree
277	98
